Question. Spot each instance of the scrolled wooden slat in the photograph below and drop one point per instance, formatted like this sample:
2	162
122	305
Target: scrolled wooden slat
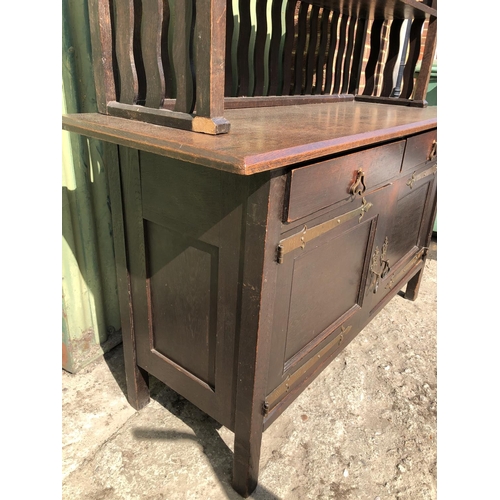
301	45
340	54
166	55
260	44
228	81
357	57
151	28
274	66
182	55
331	53
427	59
124	22
392	57
320	70
411	61
243	48
288	47
138	61
375	44
348	56
312	50
102	52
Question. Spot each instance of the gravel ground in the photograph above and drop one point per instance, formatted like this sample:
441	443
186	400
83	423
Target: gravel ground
364	429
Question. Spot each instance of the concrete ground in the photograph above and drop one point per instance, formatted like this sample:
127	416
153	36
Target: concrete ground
364	429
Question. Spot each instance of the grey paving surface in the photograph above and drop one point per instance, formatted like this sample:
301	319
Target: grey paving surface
364	429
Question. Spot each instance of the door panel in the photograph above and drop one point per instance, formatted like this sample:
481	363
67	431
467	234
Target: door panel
408	229
311	308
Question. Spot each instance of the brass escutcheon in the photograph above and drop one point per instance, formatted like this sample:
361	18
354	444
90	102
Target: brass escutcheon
358	186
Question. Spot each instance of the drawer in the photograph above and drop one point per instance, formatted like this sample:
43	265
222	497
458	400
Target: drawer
324	184
420	149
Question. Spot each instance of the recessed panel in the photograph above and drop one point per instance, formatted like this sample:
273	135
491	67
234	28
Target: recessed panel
409	213
326	284
183	287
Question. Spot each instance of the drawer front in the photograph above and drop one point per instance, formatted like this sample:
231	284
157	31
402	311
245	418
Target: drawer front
325	184
420	148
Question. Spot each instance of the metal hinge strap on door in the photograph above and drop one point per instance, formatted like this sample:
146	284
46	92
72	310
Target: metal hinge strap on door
299	240
414	178
292	379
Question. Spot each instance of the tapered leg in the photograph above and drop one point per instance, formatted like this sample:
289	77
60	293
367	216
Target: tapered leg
262	230
137	378
247	455
413	286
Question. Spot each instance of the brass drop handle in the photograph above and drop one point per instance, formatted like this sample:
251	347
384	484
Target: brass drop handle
358	186
433	152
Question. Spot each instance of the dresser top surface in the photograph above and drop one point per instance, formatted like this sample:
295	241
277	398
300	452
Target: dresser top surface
265	138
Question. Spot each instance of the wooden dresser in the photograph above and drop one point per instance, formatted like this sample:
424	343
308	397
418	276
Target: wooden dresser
249	256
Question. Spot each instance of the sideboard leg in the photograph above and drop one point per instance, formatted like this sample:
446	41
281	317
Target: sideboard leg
413	286
137	378
262	230
137	381
246	461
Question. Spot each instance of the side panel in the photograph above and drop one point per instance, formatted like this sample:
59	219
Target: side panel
184	230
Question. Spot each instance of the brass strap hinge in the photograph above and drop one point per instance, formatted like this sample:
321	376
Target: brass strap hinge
299	240
414	178
396	277
290	381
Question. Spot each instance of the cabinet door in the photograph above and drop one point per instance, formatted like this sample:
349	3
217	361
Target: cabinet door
321	284
408	230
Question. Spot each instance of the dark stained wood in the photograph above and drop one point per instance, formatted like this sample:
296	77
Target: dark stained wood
166	53
102	52
209	58
247	261
249	148
326	183
331	53
282	100
138	55
379	9
348	57
393	101
129	86
340	55
427	60
392	57
275	68
243	48
265	198
182	55
299	66
288	47
137	378
357	57
418	150
371	65
188	268
151	28
228	79
260	44
322	51
312	50
411	61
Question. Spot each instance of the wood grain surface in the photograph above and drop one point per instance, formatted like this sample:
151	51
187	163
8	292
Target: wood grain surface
265	138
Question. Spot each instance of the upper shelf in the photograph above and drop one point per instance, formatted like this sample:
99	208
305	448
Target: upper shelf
259	140
379	9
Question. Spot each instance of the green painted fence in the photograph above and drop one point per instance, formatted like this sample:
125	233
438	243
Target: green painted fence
90	311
